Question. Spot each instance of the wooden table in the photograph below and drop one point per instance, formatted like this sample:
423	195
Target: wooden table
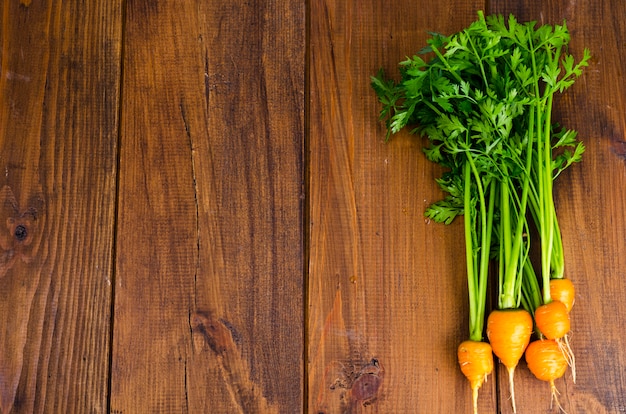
202	215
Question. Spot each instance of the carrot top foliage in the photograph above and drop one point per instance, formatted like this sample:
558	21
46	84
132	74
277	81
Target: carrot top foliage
483	97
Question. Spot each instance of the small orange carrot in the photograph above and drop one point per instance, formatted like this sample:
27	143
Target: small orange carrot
563	291
476	361
552	319
546	361
509	332
553	322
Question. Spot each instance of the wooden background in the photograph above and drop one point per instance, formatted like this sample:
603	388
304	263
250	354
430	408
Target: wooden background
199	213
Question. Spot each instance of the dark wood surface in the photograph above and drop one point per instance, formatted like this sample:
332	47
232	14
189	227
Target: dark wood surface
200	213
59	106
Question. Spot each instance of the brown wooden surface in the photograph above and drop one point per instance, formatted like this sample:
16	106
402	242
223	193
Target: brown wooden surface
59	100
200	213
209	278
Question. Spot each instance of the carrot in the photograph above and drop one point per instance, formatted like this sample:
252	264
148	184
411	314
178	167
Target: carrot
546	361
553	322
476	361
509	332
563	291
552	319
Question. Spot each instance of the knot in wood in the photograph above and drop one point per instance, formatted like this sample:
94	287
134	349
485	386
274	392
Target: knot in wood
368	382
20	232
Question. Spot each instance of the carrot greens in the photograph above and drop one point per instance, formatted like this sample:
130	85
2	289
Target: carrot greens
483	97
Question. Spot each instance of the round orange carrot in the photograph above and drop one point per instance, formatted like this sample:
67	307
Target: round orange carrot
509	332
476	361
547	362
563	291
552	319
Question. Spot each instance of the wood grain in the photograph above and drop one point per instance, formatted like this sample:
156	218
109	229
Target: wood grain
387	292
59	94
209	280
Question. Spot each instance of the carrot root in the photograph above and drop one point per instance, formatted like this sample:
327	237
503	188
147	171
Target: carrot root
475	398
511	371
555	397
476	362
566	349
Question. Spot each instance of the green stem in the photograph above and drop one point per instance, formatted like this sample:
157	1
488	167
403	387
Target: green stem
531	288
469	256
558	260
486	248
479	59
547	223
445	62
543	175
513	244
477	276
506	297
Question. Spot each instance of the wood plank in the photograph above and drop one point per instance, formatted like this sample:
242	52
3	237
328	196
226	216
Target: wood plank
59	94
591	205
387	289
209	276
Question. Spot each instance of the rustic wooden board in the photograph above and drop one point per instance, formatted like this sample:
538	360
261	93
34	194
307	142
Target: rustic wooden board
591	200
59	94
386	298
245	255
209	277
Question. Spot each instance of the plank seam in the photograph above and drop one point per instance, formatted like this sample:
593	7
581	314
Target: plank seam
305	206
116	208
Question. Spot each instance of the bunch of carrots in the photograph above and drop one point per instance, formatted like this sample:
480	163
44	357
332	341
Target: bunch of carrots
483	97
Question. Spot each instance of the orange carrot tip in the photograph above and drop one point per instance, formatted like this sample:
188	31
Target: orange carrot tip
509	332
547	362
476	362
563	291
